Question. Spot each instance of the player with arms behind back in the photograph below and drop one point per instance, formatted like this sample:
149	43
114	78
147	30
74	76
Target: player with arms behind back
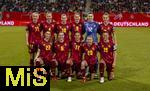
33	36
49	25
64	27
106	48
77	26
89	58
106	27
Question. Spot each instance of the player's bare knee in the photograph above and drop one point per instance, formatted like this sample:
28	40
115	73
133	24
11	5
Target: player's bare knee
83	64
38	62
56	63
69	62
102	62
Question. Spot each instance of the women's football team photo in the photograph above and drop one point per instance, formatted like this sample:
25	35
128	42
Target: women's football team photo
73	49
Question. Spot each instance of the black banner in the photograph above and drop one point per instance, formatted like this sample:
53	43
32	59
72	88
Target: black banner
24	78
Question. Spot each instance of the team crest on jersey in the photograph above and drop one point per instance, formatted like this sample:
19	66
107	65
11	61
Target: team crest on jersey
74	45
93	48
52	25
94	25
65	44
86	49
60	27
80	25
49	29
102	28
32	26
45	26
105	30
89	29
44	44
108	28
67	26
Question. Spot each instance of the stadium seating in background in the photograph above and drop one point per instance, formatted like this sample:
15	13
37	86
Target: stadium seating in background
75	5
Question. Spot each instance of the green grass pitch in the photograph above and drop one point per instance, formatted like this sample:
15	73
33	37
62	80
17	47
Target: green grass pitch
132	69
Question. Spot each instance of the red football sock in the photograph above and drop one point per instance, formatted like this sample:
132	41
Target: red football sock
101	69
91	69
68	68
38	63
83	72
53	72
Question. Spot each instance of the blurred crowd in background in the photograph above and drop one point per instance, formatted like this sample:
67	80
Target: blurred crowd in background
76	5
121	5
43	5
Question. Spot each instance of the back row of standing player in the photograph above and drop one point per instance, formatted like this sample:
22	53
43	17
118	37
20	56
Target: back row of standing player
63	46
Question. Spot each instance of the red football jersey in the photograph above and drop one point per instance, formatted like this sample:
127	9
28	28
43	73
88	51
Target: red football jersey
65	29
62	50
106	51
90	53
76	51
46	52
106	29
76	28
34	30
48	27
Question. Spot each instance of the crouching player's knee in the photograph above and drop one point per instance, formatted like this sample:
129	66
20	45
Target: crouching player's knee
38	62
53	63
69	62
83	64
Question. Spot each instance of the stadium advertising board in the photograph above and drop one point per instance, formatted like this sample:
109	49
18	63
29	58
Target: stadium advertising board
116	24
123	20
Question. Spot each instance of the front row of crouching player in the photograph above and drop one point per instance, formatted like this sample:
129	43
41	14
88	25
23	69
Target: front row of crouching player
75	57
